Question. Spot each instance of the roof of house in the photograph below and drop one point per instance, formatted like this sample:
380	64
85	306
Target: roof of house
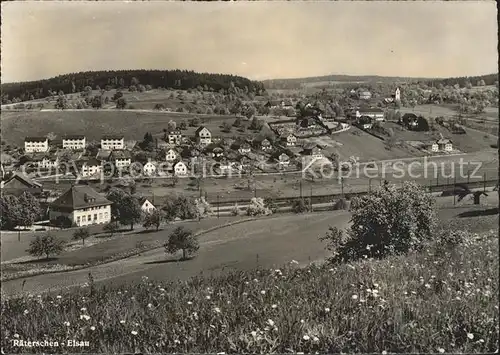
103	154
370	110
81	196
35	139
176	132
91	161
119	154
144	199
443	141
199	129
74	136
112	136
24	179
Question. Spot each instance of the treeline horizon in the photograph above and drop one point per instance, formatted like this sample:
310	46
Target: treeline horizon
342	80
122	79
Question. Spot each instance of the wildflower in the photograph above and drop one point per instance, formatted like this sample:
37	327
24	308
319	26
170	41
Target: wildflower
262	292
354	297
441	350
59	297
162	289
217	310
306	337
150	305
122	322
190	303
302	321
274	306
25	311
294	262
222	353
255	280
16	335
92	328
254	333
84	316
375	292
244	294
427	286
375	285
207	297
66	324
270	322
327	309
470	336
316	339
384	352
83	309
134	332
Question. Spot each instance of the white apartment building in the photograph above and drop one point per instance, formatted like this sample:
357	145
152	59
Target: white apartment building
91	167
180	169
120	159
36	144
82	205
113	142
76	142
149	168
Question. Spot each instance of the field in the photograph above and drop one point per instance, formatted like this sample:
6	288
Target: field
419	303
94	124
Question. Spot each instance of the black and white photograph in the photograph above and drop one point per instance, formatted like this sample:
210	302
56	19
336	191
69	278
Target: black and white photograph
249	177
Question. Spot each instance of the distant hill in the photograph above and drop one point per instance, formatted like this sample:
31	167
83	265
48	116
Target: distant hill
329	80
76	82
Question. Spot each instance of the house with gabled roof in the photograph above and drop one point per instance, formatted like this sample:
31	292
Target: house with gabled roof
174	137
203	136
171	155
18	183
149	168
90	168
82	205
289	139
180	169
146	205
120	159
244	148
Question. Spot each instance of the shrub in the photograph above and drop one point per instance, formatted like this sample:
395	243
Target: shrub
204	209
379	227
269	202
257	207
45	245
235	211
300	206
341	204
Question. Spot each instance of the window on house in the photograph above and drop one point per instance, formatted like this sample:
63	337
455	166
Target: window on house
78	219
95	216
89	218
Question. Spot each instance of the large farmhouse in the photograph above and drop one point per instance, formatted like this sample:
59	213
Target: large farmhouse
82	205
203	136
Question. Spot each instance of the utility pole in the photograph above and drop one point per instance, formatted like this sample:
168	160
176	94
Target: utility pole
300	184
311	199
218	206
370	185
484	182
454	189
342	186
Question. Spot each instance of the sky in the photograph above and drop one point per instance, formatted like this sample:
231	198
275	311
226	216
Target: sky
258	40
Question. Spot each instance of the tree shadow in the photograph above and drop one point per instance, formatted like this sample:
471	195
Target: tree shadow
37	261
147	231
478	213
168	261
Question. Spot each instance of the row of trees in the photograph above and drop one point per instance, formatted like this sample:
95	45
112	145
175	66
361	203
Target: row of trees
75	82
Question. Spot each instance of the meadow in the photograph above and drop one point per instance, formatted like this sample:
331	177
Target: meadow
426	302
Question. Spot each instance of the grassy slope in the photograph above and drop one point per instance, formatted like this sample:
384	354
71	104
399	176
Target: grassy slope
133	125
425	303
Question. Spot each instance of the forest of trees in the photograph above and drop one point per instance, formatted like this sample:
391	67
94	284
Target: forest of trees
76	82
464	81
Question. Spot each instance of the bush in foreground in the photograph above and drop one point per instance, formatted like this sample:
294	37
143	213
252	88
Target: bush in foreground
390	220
417	303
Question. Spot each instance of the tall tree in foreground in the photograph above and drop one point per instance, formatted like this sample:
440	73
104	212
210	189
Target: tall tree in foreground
182	239
45	245
378	226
